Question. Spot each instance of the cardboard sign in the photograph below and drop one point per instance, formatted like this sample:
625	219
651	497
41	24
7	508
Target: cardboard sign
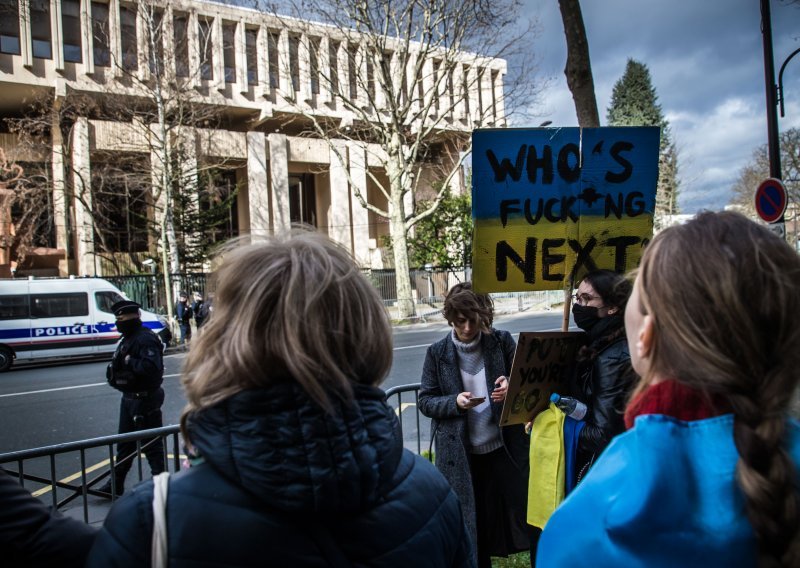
541	366
551	204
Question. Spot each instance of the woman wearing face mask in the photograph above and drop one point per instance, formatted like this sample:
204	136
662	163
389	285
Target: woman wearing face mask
604	376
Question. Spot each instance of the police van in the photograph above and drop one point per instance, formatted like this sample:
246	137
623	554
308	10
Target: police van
61	318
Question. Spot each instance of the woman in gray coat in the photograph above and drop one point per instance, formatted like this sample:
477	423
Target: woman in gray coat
464	384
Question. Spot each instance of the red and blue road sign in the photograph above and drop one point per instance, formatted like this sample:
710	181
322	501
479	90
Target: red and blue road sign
771	200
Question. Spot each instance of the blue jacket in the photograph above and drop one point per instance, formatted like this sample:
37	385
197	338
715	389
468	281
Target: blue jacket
280	476
662	494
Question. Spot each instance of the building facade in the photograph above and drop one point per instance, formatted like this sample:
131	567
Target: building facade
243	94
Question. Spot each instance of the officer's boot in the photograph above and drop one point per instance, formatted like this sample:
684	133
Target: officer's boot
119	481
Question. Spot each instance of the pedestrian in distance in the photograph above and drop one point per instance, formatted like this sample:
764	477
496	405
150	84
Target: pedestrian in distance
32	534
464	384
183	313
137	370
199	309
297	459
707	474
604	377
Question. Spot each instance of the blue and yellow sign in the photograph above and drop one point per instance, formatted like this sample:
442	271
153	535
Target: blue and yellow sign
552	204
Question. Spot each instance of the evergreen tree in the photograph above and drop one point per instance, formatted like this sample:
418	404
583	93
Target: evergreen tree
634	102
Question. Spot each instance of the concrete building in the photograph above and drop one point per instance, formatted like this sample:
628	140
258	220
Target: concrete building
263	82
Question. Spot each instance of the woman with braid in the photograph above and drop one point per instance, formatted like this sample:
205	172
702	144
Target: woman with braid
707	473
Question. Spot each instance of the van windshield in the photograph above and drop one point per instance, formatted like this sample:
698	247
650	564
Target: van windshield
105	300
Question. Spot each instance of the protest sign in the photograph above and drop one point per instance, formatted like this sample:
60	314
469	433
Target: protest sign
551	204
542	364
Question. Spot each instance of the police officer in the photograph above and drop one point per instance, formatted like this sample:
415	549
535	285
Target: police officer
137	370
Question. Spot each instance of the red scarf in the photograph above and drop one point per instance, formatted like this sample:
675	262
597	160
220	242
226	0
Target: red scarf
674	399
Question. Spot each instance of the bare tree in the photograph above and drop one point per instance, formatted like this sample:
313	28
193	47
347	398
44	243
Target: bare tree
579	65
411	81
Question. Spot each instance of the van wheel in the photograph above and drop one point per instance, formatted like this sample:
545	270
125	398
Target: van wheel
6	359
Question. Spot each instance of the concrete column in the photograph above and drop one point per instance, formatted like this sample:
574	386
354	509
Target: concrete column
56	34
460	111
377	77
241	57
359	214
285	87
193	45
115	38
396	71
474	101
262	60
428	85
279	181
143	30
339	213
87	38
500	99
188	181
168	43
81	186
361	78
304	48
487	90
61	218
25	46
411	84
217	56
258	185
324	65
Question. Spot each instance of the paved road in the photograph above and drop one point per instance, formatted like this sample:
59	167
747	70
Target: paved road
62	403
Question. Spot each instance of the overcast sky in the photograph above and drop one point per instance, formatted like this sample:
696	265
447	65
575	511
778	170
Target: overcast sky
707	64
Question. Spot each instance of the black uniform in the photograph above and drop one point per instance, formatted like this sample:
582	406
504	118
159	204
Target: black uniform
137	370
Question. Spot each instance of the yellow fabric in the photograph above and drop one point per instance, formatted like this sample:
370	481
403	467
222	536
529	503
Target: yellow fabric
546	484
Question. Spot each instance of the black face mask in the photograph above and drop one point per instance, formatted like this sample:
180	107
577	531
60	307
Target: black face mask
586	317
126	327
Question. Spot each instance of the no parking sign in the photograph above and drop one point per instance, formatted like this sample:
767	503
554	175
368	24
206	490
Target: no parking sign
771	200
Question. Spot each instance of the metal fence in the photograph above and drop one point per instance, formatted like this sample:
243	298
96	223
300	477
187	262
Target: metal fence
428	289
67	475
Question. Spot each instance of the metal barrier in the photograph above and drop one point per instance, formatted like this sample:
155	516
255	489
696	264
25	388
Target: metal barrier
52	468
59	459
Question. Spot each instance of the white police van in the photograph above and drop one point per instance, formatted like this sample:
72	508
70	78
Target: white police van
60	318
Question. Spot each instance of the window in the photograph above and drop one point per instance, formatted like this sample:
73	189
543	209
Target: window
302	199
127	20
71	28
206	60
294	61
40	28
180	26
100	38
104	300
59	305
272	54
14	307
251	47
229	51
9	27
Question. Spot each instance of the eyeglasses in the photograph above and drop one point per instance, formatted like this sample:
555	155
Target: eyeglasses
584	299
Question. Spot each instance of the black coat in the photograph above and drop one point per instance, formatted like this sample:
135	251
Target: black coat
604	383
278	472
441	385
31	535
137	364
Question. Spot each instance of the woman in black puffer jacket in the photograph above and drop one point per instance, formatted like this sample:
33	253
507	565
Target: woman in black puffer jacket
297	460
604	375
